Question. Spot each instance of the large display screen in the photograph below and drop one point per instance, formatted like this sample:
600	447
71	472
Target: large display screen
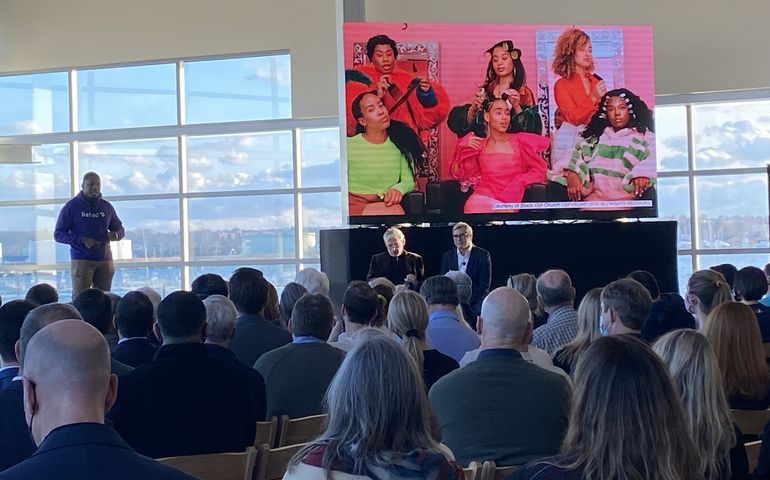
483	122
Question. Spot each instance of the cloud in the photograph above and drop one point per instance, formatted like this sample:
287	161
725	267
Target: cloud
236	158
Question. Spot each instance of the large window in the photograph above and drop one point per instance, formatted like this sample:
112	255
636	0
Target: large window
201	158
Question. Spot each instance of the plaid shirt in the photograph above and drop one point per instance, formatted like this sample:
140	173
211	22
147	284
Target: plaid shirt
560	329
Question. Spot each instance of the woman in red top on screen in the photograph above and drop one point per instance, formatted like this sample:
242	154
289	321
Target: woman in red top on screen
500	166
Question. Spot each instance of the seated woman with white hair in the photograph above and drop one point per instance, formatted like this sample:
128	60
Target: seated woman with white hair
313	281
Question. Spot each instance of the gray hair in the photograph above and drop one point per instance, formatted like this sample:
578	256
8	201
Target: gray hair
393	232
459	225
154	297
41	316
440	290
220	316
314	281
464	284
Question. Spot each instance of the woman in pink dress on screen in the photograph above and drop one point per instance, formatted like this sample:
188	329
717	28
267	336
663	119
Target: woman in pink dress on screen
499	167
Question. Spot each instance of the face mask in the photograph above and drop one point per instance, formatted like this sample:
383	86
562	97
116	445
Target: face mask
602	330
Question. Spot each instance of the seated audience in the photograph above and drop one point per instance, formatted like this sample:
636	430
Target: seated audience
96	309
254	335
750	285
385	294
695	372
667	311
42	294
12	316
523	408
298	374
625	306
447	332
727	270
313	281
408	318
733	332
766	298
134	318
464	285
557	296
627	420
67	389
526	284
184	402
705	290
588	330
360	307
209	284
155	299
291	293
272	311
393	434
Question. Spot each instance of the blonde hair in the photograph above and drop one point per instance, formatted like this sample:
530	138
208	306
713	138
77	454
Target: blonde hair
733	331
696	374
564	51
710	287
526	285
588	327
408	317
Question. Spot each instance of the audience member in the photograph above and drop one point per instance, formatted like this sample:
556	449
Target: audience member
42	294
385	294
67	388
696	375
254	335
526	284
134	318
408	318
313	281
464	285
291	293
209	284
733	332
470	259
625	306
272	310
705	290
667	311
750	285
727	270
766	298
184	402
11	319
448	333
557	296
627	420
360	307
380	423
155	299
298	374
96	308
589	311
522	407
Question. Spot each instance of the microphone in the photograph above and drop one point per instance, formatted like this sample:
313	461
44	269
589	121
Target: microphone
598	77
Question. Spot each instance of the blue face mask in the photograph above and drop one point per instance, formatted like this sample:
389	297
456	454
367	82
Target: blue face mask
602	331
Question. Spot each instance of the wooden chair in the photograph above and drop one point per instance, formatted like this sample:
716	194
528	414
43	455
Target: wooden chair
272	462
266	432
473	472
751	422
752	451
216	466
299	430
490	471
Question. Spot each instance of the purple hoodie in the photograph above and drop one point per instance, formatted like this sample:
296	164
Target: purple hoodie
82	218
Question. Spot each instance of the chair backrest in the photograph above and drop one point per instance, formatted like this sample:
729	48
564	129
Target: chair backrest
216	466
266	432
272	462
752	452
299	430
473	472
751	422
490	471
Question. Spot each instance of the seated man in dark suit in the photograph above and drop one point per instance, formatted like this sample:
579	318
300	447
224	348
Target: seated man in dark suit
397	265
95	307
11	318
253	334
209	284
471	260
67	388
184	402
42	294
134	317
297	375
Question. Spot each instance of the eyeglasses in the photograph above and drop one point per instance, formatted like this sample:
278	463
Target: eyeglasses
460	236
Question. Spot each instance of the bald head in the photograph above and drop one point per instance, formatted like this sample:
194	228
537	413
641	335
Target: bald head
554	287
40	317
505	316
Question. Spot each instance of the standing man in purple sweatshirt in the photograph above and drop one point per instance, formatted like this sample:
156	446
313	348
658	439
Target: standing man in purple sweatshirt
88	223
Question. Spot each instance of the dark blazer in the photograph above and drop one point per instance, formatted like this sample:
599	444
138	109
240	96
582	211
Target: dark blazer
396	269
254	336
225	355
15	441
134	352
479	268
93	451
6	376
186	403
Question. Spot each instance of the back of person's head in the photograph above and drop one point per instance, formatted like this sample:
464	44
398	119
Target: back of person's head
313	280
382	283
153	295
526	284
292	292
408	318
464	285
41	316
647	280
629	300
440	290
313	316
96	308
733	331
360	302
272	311
554	287
209	284
626	415
695	371
12	316
767	269
181	316
220	317
711	289
114	300
248	290
134	315
385	290
505	317
377	403
42	294
750	284
728	271
588	326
